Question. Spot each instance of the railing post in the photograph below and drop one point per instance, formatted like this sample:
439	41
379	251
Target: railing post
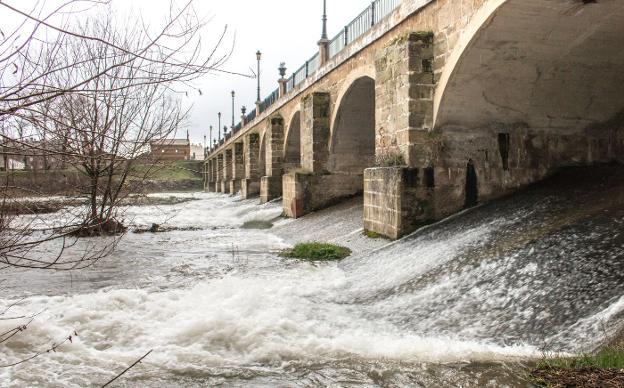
307	69
373	13
346	35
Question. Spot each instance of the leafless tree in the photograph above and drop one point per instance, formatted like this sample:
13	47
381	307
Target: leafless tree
102	89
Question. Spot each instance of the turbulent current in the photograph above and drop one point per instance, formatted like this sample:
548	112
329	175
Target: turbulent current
464	302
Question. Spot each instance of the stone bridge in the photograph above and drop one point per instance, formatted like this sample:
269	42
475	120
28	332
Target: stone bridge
438	106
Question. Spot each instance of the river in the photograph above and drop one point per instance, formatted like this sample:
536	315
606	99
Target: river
464	302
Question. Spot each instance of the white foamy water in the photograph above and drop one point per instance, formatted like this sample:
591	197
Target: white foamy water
217	304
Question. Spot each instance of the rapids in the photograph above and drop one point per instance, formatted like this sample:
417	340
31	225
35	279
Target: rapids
459	303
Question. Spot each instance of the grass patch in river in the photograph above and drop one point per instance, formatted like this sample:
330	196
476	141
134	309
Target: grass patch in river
317	252
257	224
602	369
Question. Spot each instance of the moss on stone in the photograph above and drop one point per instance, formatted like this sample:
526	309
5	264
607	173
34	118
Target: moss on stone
317	252
424	36
371	234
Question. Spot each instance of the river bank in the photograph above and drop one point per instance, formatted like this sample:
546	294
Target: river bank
181	176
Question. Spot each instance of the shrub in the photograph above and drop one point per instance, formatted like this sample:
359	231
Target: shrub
317	252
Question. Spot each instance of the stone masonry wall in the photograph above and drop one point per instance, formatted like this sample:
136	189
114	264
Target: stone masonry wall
531	156
238	165
305	193
275	147
315	132
251	156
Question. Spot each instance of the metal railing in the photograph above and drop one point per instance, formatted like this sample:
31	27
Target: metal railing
337	44
250	116
378	10
359	25
264	105
314	63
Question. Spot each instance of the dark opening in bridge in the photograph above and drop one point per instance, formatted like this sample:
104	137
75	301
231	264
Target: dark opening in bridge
410	177
503	147
472	189
353	133
430	177
292	152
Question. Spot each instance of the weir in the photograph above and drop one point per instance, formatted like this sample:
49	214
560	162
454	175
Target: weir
501	282
426	107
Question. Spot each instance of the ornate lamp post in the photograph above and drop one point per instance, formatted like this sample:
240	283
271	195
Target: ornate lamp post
210	141
219	114
233	95
258	57
324	33
324	42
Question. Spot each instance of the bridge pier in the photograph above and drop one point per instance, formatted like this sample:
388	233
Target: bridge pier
219	173
399	197
250	184
208	176
227	171
305	193
238	168
271	184
207	173
301	191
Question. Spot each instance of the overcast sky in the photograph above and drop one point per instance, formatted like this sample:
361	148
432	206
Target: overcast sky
283	30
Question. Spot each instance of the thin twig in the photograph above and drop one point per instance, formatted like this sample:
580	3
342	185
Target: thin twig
127	369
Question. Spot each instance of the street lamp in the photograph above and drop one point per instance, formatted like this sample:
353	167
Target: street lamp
233	95
219	114
210	141
258	57
324	33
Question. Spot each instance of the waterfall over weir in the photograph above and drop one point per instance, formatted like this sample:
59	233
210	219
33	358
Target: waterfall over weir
542	270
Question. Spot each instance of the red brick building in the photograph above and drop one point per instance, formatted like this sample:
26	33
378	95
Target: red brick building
171	149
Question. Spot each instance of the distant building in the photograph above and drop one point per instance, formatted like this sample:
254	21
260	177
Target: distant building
171	149
197	152
28	155
9	163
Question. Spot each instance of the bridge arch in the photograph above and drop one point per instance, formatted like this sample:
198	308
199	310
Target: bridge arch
544	64
292	143
352	142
